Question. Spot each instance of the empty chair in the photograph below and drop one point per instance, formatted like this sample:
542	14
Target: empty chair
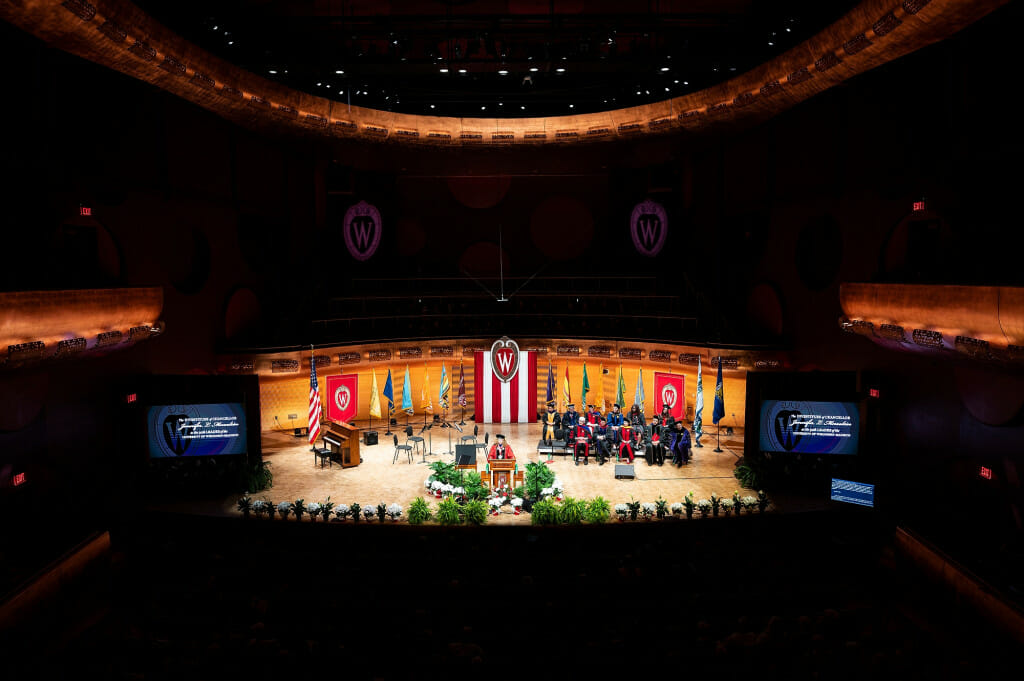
470	438
401	448
415	440
482	445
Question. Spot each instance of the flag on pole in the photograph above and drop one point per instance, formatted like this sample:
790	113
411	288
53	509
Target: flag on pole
444	390
719	413
638	396
585	388
426	400
374	397
462	386
599	400
389	392
620	390
566	397
407	393
698	419
314	400
550	395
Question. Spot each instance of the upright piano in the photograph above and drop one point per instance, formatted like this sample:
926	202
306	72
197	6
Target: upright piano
343	441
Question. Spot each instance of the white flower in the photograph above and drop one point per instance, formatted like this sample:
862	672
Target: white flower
394	510
447	489
369	510
259	506
621	509
517	502
313	508
647	508
547	492
436	485
284	506
677	507
495	502
341	510
428	483
749	501
727	503
458	491
704	504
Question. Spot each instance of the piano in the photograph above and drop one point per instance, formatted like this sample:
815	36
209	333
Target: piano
343	441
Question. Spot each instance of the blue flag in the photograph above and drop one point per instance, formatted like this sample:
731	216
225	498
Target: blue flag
407	393
719	411
389	392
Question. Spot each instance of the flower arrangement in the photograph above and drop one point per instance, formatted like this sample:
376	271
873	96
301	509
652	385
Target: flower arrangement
447	489
749	503
677	508
342	511
621	510
428	483
634	508
368	511
395	511
762	500
689	504
260	506
284	508
661	507
704	506
647	509
354	510
313	509
245	505
557	489
298	508
727	505
382	511
459	492
325	508
436	486
495	503
517	503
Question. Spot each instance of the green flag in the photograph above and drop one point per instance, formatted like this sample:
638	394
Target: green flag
620	390
586	387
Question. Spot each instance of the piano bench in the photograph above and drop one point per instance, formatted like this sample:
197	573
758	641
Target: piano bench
322	454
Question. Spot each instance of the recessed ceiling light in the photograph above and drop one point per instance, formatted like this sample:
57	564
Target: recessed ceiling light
483	108
572	106
560	69
273	71
444	70
686	82
534	69
503	72
319	84
431	106
523	108
664	68
339	72
771	44
638	92
676	82
341	92
788	31
667	90
647	91
215	28
231	42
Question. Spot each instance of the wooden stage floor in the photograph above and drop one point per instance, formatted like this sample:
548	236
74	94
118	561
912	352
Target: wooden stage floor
297	475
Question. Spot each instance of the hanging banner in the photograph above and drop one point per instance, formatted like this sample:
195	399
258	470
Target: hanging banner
362	230
342	399
648	225
668	391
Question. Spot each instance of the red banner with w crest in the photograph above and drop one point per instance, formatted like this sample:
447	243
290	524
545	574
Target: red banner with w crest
342	399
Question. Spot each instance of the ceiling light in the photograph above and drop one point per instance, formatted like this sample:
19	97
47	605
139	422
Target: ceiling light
215	28
431	106
319	84
339	72
560	69
647	91
444	70
273	71
503	72
231	42
771	44
523	108
483	108
341	92
572	106
534	69
462	70
667	90
638	92
686	82
664	68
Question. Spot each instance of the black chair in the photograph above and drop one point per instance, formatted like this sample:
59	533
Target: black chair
401	448
470	438
482	445
416	440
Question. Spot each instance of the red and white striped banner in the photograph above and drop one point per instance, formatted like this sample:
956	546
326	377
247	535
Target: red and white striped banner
497	401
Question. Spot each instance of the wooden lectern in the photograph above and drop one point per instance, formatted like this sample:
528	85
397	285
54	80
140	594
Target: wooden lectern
500	473
343	441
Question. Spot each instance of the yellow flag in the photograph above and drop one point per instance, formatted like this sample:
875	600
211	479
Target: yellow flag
426	403
374	397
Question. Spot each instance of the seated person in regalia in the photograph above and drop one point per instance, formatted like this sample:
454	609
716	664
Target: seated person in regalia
580	437
602	440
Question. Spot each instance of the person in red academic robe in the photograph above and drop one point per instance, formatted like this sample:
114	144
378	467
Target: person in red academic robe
500	449
626	441
580	437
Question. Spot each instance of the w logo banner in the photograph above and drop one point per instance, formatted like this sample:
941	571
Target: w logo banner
648	225
668	392
342	397
505	384
362	230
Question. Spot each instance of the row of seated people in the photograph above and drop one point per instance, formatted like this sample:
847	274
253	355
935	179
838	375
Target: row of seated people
617	433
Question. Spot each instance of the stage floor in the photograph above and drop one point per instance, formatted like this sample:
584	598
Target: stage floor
298	475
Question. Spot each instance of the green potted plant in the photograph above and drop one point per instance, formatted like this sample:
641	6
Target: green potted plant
661	507
727	506
245	505
737	501
299	508
313	509
382	511
545	512
704	506
342	511
621	510
284	508
355	509
716	502
326	506
634	508
419	511
475	512
762	500
571	511
598	511
689	504
448	511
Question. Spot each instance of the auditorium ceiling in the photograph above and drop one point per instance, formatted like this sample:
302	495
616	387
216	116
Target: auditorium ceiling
494	73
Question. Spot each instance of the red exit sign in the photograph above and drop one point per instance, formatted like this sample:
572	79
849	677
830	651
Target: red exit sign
918	205
18	479
985	472
874	392
84	211
130	398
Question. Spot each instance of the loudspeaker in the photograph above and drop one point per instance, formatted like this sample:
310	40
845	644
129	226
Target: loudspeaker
624	471
298	432
370	437
465	455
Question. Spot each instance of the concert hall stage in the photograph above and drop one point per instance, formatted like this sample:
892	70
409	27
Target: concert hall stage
298	475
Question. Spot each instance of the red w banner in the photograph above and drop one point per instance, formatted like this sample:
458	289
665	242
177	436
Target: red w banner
342	397
506	384
668	390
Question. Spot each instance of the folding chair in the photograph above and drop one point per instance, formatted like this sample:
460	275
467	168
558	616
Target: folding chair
401	448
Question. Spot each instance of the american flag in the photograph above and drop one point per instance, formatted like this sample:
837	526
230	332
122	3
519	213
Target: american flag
314	402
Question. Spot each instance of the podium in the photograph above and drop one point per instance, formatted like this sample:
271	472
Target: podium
343	441
502	472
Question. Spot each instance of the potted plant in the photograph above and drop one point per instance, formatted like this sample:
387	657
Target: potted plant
271	508
647	509
368	511
495	504
382	511
284	508
354	510
342	511
677	509
762	500
517	503
325	509
571	511
448	512
394	512
727	506
661	508
313	509
737	501
704	506
435	487
621	510
298	508
475	512
716	502
598	511
689	504
545	512
259	507
419	511
245	505
634	508
749	503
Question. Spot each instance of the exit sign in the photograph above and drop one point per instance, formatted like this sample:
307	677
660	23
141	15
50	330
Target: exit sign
874	392
18	479
84	211
918	205
985	472
131	398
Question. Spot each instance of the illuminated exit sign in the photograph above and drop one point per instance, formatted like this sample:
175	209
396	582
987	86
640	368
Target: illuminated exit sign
18	479
985	472
84	211
918	205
